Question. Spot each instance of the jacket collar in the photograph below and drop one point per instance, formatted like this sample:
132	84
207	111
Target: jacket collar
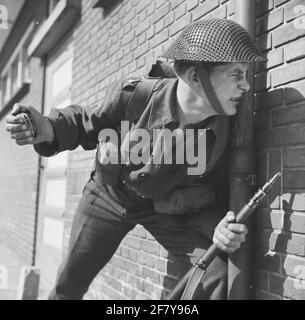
164	104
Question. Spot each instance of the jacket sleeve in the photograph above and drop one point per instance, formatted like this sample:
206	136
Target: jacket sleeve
75	125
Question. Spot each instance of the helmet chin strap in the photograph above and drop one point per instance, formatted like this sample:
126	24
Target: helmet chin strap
208	88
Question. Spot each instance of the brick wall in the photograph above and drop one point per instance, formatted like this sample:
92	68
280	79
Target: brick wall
19	178
109	46
280	138
19	165
127	40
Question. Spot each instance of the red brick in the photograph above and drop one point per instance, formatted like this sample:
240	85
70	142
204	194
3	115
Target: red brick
270	219
270	21
161	265
150	9
159	26
294	157
281	242
127	38
294	179
141	50
220	13
295	92
148	288
288	115
275	58
161	37
159	3
150	32
292	72
115	284
180	11
142	16
142	5
292	11
115	67
294	135
286	33
175	3
191	4
150	247
295	222
147	260
128	16
279	2
140	63
293	201
160	13
291	264
132	242
169	19
295	50
142	27
180	24
204	8
231	7
286	287
150	274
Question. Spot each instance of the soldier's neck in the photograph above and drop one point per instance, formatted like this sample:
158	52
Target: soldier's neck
191	107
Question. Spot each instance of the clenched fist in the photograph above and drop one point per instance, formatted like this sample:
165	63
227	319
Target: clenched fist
20	131
229	235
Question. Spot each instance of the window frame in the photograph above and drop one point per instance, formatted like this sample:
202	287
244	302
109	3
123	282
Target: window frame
20	57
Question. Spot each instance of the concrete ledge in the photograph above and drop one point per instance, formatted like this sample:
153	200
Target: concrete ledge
62	18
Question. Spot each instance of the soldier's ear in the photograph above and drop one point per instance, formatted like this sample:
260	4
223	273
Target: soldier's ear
192	77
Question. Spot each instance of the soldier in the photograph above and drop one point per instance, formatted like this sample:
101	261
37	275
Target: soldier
211	58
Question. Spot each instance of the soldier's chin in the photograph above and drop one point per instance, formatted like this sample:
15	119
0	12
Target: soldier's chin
230	109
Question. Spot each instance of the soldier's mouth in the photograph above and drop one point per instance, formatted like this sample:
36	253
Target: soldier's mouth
236	100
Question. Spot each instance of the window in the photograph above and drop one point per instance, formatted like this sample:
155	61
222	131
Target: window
15	73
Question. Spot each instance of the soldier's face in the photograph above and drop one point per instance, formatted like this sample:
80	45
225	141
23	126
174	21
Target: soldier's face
230	82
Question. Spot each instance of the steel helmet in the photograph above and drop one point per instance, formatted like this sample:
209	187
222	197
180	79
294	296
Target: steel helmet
214	40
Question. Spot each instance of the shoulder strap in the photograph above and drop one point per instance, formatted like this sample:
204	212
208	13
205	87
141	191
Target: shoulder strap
140	98
221	129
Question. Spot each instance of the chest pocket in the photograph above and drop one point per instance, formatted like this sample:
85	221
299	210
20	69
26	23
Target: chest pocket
108	158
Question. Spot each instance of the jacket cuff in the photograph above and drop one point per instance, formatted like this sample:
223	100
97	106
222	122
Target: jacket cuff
48	149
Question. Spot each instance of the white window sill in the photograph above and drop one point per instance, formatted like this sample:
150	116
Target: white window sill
62	18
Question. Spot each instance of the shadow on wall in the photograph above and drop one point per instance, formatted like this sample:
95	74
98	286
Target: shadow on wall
107	5
281	220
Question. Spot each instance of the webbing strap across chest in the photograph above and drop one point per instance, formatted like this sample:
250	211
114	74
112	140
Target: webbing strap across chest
140	98
139	101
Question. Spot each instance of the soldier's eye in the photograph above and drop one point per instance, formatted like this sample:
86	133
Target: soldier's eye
238	76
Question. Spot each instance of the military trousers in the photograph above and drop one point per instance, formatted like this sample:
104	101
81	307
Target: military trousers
101	223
